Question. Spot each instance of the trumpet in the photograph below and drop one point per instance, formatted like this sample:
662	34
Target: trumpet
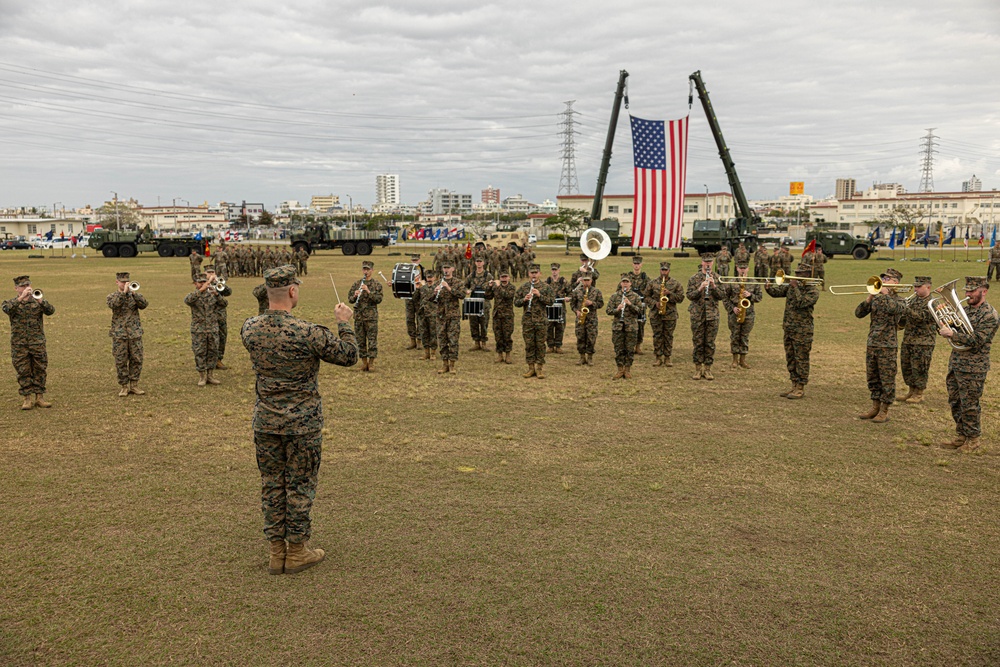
133	287
220	284
873	286
37	295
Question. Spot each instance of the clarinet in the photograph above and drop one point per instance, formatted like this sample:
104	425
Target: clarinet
437	292
530	296
357	295
621	309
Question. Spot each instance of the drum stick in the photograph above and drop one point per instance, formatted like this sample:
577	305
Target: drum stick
334	288
384	278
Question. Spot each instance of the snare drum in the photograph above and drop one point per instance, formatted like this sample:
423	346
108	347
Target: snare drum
642	312
404	278
473	307
556	312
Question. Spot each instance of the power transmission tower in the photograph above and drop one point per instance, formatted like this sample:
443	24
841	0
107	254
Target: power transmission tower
927	176
568	184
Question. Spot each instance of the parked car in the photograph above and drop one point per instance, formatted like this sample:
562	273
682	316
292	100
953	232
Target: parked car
532	239
15	244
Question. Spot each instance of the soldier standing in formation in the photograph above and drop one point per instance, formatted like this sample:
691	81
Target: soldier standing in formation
884	309
785	259
411	304
967	368
501	292
560	290
993	270
589	297
204	304
448	298
639	282
760	268
663	295
919	336
534	296
366	295
27	342
221	312
288	415
476	286
704	293
126	334
800	298
722	261
742	255
302	260
221	262
624	308
426	314
774	262
196	260
739	332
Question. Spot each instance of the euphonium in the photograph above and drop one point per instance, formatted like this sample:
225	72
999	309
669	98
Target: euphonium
662	307
947	310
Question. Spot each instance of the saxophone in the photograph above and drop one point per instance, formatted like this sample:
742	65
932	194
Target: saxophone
743	303
662	307
584	310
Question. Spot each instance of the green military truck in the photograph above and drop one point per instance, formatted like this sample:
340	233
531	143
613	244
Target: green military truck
842	243
323	236
114	243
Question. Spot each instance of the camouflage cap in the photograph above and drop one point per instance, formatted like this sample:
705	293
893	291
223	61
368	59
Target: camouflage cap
922	280
479	258
637	259
430	273
201	277
627	277
803	270
209	269
975	282
22	281
664	266
583	257
505	272
367	264
586	275
707	256
447	265
534	267
281	276
892	273
415	258
122	276
742	265
554	265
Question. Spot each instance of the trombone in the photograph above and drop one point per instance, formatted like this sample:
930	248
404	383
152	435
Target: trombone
780	278
873	286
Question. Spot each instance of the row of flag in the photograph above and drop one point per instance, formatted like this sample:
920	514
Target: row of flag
438	234
902	237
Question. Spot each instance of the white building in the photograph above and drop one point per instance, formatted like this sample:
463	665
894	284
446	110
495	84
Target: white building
846	187
387	190
962	209
700	206
972	185
445	201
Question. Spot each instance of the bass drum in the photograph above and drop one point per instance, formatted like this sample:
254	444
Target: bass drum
404	280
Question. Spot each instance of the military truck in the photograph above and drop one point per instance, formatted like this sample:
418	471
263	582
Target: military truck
505	238
323	236
842	243
115	243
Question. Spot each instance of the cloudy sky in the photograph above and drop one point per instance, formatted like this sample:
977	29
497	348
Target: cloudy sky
194	101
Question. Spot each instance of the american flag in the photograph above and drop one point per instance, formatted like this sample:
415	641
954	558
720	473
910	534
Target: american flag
660	150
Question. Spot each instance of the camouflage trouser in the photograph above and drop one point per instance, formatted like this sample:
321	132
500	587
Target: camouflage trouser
739	334
993	267
964	392
479	326
503	332
624	341
195	270
428	332
30	362
663	334
206	350
128	358
703	333
367	335
305	267
449	330
554	334
289	470
586	335
222	270
880	364
722	268
411	318
797	349
534	340
223	336
760	271
915	363
642	330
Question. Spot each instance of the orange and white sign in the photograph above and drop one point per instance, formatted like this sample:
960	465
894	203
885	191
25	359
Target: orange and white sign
796	188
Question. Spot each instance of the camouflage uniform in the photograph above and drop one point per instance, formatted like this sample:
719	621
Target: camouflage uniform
586	335
722	261
785	258
27	343
223	314
126	334
288	415
503	314
704	312
366	317
739	333
967	369
742	255
663	325
774	263
880	358
260	293
760	264
994	266
639	283
798	326
449	315
196	261
917	348
205	326
476	286
557	330
426	316
303	261
534	324
222	263
624	325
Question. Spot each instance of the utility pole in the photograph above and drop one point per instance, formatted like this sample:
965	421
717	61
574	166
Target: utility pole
118	218
927	175
568	184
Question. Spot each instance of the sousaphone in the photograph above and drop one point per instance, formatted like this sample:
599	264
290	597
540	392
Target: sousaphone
595	244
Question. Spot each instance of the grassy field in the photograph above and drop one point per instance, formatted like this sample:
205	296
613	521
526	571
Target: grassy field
484	519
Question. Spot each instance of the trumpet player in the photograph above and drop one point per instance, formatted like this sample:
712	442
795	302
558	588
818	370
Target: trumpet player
204	304
501	292
884	310
534	296
588	297
448	296
919	336
27	341
663	295
704	293
221	312
366	295
740	300
800	298
624	307
126	333
967	368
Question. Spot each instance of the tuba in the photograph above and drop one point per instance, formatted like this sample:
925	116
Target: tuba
595	243
947	310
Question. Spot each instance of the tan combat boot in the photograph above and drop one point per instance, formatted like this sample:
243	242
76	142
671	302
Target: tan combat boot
506	358
530	373
538	371
40	401
499	358
785	393
300	557
620	374
583	360
202	378
433	355
590	359
276	565
558	350
916	396
210	379
883	414
219	366
707	373
698	371
871	414
427	353
908	395
444	367
638	349
628	372
133	388
451	367
743	362
667	362
412	345
953	444
797	392
971	445
736	362
364	364
123	391
659	361
29	402
371	364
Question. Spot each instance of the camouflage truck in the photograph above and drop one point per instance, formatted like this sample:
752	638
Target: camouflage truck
504	238
323	236
842	243
114	243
